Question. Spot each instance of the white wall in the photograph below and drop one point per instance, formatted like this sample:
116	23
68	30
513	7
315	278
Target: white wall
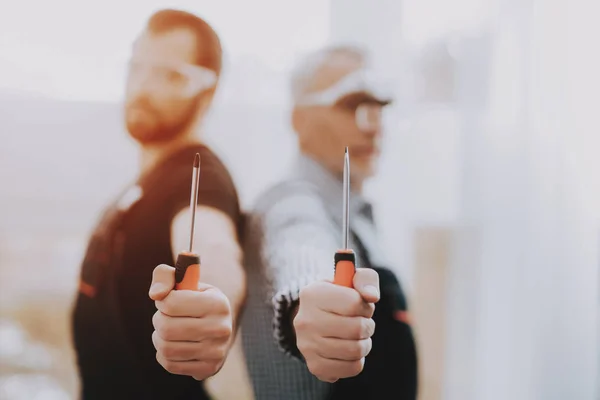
532	287
517	179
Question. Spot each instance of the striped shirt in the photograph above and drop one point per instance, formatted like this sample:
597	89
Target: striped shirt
292	236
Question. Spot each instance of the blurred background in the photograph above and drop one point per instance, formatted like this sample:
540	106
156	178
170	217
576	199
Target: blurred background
488	194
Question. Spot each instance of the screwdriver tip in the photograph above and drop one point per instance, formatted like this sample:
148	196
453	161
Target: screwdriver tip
197	160
346	151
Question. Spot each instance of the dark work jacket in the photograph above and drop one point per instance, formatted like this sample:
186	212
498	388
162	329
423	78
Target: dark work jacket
112	318
390	370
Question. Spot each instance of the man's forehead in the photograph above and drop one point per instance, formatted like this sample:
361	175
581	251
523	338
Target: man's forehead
176	45
331	69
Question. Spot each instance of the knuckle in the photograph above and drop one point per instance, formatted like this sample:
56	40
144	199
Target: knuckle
316	368
371	275
222	330
158	342
371	308
368	275
359	329
159	346
220	303
225	305
305	293
356	304
202	372
355	350
366	347
227	330
327	378
170	366
167	306
157	320
311	290
220	353
354	368
371	326
167	350
321	372
166	331
301	323
155	339
365	328
305	347
212	368
162	267
158	270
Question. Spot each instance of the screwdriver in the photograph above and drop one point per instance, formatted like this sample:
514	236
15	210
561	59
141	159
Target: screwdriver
187	266
345	259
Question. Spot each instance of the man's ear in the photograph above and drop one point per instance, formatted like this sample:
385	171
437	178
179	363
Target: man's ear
303	124
205	100
298	119
209	95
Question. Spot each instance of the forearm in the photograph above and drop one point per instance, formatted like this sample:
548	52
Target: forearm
299	240
232	282
296	256
222	268
220	253
291	270
296	266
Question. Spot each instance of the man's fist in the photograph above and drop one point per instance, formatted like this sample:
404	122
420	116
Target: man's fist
334	325
192	329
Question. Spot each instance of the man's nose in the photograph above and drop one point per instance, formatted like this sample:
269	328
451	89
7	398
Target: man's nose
368	119
371	133
142	82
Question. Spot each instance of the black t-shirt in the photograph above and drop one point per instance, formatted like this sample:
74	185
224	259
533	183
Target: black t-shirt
112	319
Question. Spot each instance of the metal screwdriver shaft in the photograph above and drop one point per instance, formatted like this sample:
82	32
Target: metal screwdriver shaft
346	200
344	259
187	266
194	198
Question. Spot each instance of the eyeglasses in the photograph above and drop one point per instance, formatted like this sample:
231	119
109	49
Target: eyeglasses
360	81
185	79
358	93
367	109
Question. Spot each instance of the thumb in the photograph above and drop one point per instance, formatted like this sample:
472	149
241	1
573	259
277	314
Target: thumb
163	281
366	282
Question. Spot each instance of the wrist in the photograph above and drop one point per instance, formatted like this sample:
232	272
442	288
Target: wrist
285	307
294	311
294	308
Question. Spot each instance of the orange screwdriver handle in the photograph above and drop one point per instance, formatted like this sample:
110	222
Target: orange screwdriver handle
345	267
187	271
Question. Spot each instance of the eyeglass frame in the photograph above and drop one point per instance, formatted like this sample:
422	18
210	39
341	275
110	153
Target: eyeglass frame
354	83
200	78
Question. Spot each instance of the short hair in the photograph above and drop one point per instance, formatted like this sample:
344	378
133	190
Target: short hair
209	52
304	72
